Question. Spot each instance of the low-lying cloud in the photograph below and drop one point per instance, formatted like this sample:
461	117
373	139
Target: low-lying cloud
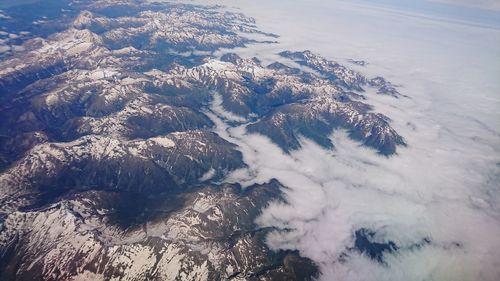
438	200
414	197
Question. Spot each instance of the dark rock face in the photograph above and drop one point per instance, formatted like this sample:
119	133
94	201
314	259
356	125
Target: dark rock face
374	250
365	243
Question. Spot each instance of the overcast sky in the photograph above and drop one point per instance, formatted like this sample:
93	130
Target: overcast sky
483	4
486	12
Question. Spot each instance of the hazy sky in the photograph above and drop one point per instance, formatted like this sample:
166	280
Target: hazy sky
483	4
492	5
485	12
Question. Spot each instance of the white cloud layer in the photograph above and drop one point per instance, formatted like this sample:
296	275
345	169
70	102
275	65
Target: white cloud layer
425	193
444	186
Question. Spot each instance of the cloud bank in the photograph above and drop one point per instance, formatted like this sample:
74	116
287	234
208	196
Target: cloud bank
438	201
422	195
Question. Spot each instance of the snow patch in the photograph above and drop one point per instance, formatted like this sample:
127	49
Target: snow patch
163	141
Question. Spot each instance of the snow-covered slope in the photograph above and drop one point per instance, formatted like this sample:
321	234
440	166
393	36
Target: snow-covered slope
286	103
110	168
203	235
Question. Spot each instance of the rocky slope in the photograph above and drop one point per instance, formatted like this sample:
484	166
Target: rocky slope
285	103
203	235
340	74
162	163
